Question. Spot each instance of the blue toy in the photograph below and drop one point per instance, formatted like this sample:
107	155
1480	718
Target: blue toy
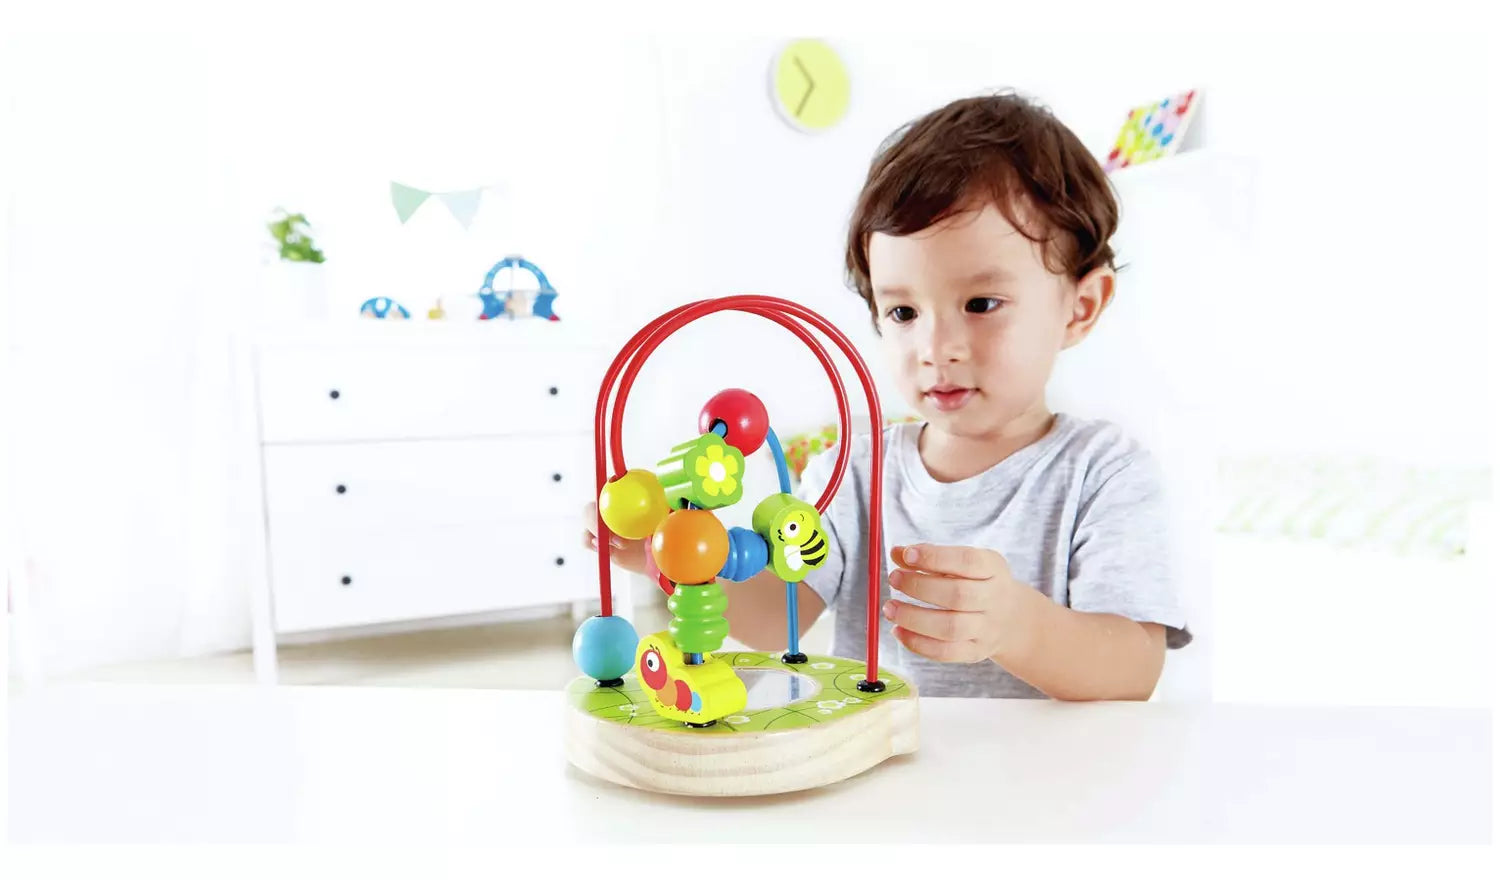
384	309
604	648
512	303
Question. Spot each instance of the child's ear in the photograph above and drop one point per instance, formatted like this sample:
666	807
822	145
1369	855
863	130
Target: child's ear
1090	297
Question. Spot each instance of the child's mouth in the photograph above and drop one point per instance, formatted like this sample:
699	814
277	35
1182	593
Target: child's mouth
948	399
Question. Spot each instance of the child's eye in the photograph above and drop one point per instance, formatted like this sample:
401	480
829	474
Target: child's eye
902	314
981	304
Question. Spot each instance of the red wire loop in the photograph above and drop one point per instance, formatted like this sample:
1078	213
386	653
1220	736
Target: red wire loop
669	324
632	358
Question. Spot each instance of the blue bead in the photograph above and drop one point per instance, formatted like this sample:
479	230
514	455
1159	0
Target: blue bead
1167	140
748	555
604	647
1156	132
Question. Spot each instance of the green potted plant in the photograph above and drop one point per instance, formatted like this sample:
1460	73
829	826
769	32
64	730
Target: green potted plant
293	237
296	290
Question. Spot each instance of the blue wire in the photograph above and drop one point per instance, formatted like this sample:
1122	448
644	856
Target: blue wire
785	478
781	472
791	589
791	617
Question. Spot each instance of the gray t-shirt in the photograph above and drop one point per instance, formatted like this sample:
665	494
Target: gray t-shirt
1078	515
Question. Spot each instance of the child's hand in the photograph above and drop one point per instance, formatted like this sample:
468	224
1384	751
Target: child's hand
980	605
629	555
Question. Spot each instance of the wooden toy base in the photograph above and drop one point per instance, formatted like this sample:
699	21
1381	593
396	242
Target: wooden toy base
806	725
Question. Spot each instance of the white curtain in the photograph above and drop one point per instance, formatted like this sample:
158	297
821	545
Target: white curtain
126	277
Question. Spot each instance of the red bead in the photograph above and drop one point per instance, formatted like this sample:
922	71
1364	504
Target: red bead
742	413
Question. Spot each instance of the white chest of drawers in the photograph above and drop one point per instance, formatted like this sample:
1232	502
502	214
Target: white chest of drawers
413	473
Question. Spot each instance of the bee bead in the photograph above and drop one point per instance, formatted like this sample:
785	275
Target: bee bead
793	530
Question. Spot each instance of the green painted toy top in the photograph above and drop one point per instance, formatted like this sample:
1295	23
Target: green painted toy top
838	697
705	472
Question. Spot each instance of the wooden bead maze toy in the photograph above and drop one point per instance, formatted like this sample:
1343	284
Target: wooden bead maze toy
671	712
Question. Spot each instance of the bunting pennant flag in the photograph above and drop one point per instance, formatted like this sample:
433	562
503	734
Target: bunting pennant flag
462	204
407	200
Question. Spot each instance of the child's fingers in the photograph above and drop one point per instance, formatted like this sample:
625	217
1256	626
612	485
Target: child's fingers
956	594
949	626
937	649
964	562
592	543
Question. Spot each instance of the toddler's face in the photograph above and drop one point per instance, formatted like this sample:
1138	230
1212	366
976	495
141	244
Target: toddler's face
970	318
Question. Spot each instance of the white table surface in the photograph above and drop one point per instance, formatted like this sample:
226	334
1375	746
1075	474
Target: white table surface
110	763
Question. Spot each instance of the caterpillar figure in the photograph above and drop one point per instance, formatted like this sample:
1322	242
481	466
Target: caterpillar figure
699	694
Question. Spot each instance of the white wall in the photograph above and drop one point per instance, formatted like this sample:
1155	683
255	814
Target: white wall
1365	222
642	174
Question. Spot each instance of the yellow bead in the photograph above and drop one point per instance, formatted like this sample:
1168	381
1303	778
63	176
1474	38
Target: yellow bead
634	504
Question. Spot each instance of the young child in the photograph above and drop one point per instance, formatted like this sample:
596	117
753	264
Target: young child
1027	551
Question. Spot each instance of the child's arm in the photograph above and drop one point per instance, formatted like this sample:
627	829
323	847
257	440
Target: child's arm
757	610
1080	655
984	614
757	607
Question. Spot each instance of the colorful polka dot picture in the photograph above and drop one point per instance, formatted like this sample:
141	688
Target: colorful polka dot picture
1152	131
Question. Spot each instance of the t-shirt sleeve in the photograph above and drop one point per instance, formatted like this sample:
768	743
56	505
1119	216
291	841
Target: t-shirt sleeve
826	580
1121	561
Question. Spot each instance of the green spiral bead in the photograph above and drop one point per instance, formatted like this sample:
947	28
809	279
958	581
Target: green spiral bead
698	625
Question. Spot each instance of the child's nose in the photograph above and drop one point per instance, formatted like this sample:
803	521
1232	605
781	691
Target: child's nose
945	343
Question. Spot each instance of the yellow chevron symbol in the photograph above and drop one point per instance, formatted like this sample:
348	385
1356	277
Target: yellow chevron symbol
810	85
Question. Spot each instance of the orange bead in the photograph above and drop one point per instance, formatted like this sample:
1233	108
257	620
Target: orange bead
690	546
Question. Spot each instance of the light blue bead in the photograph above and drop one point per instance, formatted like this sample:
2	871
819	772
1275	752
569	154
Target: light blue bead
604	647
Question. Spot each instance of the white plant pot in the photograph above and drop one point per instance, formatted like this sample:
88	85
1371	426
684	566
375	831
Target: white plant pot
294	293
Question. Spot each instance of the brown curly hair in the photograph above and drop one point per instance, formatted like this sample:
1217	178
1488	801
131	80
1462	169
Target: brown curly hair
1001	148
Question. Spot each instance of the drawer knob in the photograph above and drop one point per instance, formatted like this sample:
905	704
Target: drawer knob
557	478
341	488
552	391
346	580
334	394
560	560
